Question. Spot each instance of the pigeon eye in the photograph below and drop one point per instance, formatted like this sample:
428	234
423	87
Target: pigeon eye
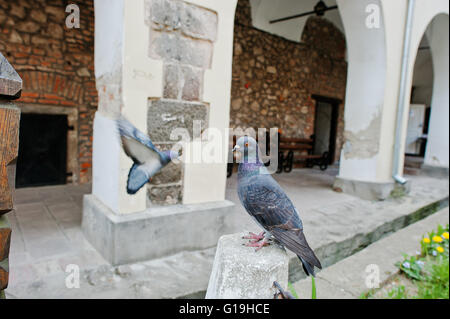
246	144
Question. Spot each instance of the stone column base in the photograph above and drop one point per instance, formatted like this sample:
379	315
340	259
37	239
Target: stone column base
371	190
153	233
434	171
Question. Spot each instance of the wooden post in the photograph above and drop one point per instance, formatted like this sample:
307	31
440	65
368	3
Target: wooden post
10	89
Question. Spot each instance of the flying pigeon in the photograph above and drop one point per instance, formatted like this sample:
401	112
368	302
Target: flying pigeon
270	207
147	159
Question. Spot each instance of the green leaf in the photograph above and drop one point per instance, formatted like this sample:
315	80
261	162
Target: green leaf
292	290
313	292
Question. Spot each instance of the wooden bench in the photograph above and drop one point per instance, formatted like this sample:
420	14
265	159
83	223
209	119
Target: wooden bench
287	146
304	146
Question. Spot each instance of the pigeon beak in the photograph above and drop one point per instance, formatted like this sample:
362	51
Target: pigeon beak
236	148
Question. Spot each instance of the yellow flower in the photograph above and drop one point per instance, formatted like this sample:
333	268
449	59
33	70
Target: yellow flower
437	239
445	235
426	240
440	249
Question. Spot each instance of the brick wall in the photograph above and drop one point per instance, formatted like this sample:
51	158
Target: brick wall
274	79
55	63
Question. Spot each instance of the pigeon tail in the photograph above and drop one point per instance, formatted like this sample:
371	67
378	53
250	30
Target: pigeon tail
309	269
137	177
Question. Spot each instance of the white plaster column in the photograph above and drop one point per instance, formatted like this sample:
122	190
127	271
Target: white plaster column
145	50
372	81
438	135
126	77
206	182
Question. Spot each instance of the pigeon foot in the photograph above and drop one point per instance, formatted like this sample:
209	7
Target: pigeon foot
255	237
258	244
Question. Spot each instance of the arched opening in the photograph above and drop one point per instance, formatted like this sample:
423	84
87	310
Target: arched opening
291	76
427	131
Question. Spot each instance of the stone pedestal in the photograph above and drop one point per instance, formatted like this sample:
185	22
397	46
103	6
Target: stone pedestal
240	272
155	232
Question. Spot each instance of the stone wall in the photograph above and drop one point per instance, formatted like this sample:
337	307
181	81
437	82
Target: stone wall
274	79
182	35
55	63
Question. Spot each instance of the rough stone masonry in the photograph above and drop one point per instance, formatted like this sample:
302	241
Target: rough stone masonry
182	35
274	79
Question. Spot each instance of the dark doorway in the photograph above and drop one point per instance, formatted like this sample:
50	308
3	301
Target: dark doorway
42	155
325	126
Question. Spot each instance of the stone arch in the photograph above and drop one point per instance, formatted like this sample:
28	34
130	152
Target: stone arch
433	22
438	144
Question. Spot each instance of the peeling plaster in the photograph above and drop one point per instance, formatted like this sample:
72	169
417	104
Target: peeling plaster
364	143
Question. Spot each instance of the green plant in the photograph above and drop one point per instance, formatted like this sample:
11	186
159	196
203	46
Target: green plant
313	289
436	284
429	270
411	266
398	293
292	290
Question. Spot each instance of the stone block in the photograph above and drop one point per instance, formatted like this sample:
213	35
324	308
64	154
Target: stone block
10	81
164	116
192	20
240	272
171	173
175	48
165	194
182	82
198	22
164	14
155	232
172	79
192	84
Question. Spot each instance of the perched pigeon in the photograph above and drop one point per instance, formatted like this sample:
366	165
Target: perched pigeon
268	204
148	160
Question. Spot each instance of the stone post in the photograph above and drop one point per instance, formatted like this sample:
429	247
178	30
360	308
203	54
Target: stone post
10	89
240	272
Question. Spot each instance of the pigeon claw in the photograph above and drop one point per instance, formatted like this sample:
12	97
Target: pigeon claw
255	237
258	244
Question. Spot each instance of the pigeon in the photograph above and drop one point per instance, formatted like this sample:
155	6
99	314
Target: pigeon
267	203
147	159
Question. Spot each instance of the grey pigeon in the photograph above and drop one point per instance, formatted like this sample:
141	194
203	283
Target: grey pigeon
147	159
270	207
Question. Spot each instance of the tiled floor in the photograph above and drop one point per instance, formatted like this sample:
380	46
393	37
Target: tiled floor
46	232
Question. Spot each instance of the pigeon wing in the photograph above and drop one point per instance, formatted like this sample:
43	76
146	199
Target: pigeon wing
146	157
266	201
127	130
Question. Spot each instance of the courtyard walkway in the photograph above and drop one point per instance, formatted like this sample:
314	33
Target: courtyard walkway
47	237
